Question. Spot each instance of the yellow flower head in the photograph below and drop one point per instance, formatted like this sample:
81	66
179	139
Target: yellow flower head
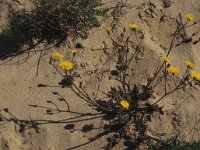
190	17
125	104
107	29
195	75
74	51
166	59
66	65
173	70
189	64
58	55
134	26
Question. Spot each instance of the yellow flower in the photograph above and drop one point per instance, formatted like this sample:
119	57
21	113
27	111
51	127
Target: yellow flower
189	64
166	59
195	75
74	51
66	65
58	55
125	104
190	17
134	26
107	29
173	70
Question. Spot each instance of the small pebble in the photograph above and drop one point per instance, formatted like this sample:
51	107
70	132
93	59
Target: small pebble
167	3
78	45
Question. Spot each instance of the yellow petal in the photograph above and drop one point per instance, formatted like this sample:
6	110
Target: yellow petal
74	51
134	26
190	17
66	65
125	104
58	55
106	29
189	64
166	59
195	75
173	70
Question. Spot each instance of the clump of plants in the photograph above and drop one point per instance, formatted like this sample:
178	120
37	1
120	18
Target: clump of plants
130	104
126	107
175	144
53	21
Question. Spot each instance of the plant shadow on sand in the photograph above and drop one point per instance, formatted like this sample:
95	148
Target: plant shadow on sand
21	125
10	48
126	108
30	28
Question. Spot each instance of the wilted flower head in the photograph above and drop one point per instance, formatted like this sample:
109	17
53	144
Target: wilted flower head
125	104
195	75
166	59
58	55
66	65
189	64
134	26
190	17
173	70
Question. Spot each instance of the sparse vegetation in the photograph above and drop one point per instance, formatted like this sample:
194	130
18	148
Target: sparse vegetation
175	144
127	107
53	21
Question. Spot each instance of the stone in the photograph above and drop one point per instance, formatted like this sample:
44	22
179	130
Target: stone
167	3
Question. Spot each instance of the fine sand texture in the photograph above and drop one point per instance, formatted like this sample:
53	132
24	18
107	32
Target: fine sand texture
24	97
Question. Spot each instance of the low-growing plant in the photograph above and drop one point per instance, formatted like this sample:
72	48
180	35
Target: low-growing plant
175	144
127	106
53	21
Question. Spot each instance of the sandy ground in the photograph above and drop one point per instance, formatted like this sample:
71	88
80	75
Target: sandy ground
19	90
